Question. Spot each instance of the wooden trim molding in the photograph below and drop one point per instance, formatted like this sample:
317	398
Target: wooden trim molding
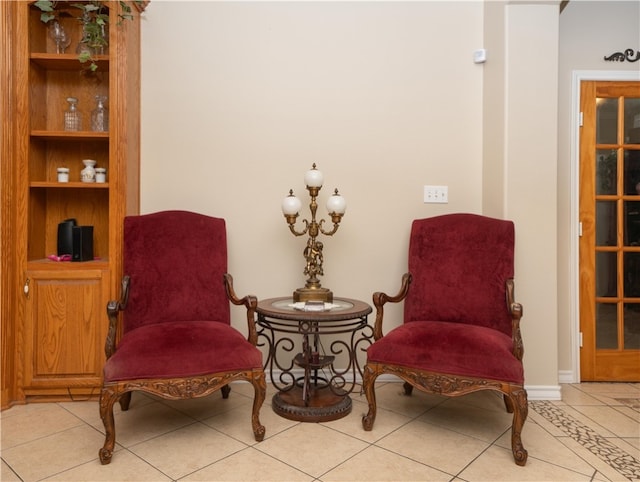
7	211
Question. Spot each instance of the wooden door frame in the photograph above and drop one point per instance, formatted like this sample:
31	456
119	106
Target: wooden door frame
578	76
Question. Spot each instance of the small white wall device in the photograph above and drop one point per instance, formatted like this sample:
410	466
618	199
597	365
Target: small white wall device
480	56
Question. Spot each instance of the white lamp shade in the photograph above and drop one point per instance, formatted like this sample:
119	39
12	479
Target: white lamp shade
313	178
336	204
291	205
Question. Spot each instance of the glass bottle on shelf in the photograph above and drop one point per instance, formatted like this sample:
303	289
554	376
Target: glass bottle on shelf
83	47
100	115
100	48
59	35
72	118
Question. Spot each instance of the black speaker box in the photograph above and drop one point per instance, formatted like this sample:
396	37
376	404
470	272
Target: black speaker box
65	236
82	243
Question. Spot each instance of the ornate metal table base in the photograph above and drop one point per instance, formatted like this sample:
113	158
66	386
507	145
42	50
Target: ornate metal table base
323	406
321	394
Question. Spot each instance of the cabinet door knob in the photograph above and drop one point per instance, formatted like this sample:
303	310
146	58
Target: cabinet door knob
25	288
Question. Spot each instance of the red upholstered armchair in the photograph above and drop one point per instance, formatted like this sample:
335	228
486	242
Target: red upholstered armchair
461	330
176	338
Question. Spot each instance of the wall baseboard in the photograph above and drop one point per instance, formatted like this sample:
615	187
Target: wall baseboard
567	376
544	392
534	392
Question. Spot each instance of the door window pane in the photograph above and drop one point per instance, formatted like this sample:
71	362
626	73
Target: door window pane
632	326
632	223
631	172
606	121
607	171
606	274
606	223
632	121
606	326
632	275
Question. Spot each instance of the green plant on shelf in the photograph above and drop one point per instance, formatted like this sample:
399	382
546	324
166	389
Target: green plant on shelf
94	17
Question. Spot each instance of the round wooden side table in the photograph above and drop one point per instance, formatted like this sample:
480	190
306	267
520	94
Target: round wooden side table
321	394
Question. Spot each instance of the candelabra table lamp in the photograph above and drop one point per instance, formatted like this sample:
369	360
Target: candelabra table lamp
336	206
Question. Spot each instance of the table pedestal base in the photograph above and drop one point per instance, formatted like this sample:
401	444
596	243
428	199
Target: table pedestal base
323	406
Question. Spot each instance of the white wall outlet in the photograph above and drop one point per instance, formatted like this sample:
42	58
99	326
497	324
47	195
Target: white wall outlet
436	194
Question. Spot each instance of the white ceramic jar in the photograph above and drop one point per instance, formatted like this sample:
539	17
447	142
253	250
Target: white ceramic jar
101	174
63	174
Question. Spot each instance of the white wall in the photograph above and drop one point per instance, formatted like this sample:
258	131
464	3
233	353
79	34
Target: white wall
531	93
239	98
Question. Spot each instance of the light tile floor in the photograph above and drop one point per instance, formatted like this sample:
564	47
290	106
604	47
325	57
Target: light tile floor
593	434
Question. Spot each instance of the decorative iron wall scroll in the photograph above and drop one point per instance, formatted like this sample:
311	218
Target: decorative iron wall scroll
628	55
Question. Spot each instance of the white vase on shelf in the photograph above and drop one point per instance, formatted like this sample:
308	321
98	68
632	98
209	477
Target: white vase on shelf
88	174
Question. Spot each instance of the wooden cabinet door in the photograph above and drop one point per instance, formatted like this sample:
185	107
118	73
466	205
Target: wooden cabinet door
64	332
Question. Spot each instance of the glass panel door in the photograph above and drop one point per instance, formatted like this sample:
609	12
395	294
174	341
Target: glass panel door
610	243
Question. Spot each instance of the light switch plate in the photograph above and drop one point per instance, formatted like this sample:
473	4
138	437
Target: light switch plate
436	194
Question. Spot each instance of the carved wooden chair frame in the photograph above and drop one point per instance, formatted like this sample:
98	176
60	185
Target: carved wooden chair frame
177	388
514	395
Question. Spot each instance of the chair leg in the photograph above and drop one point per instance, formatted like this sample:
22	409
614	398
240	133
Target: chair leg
125	400
260	392
226	389
518	401
368	386
508	403
108	398
408	388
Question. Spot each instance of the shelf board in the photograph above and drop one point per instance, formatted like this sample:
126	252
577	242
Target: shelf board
67	61
70	135
48	264
69	185
323	361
